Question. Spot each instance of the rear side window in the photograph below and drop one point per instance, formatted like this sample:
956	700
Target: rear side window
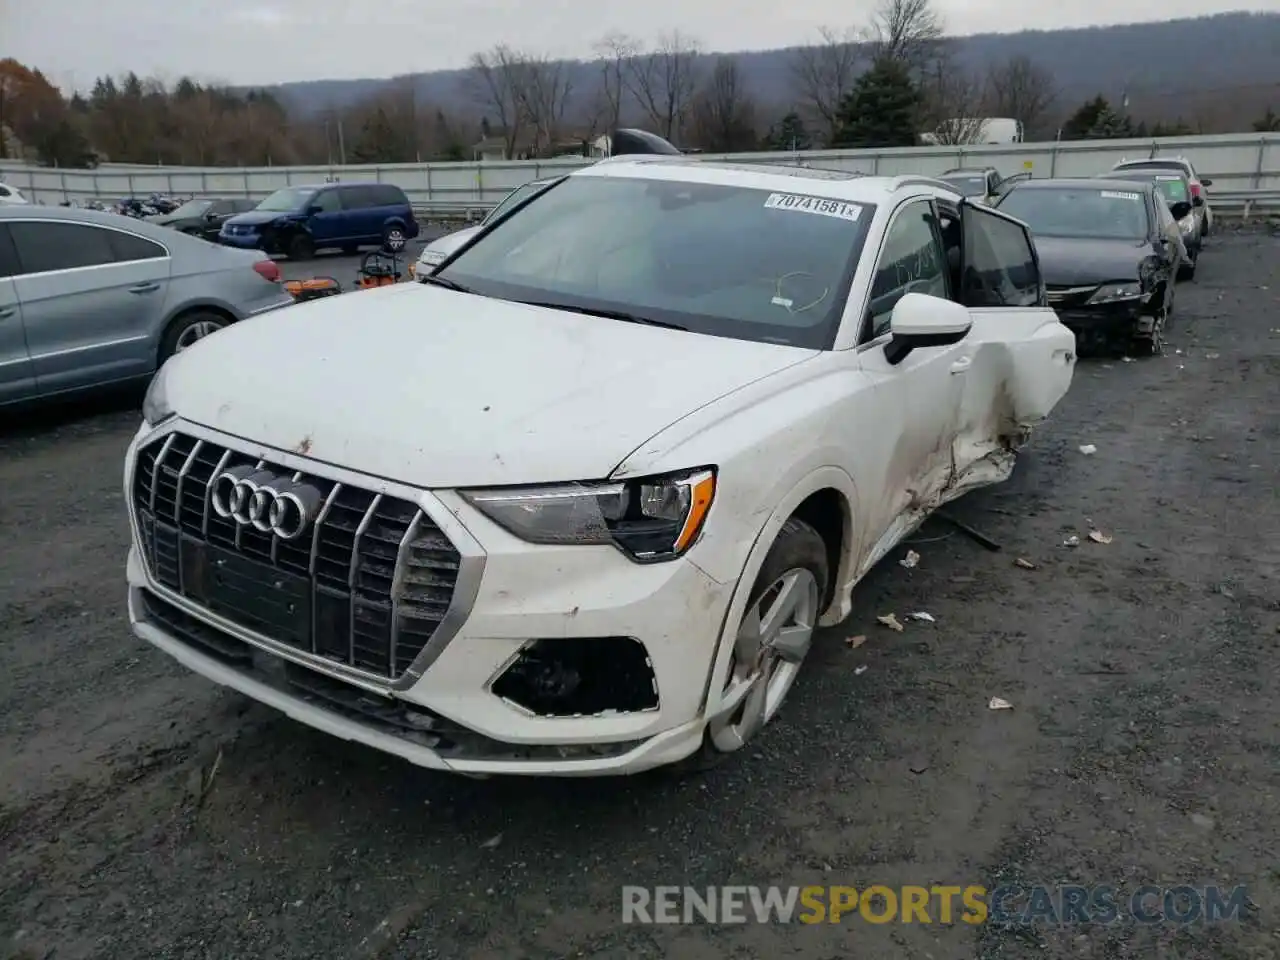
999	262
8	255
244	206
129	247
44	247
387	195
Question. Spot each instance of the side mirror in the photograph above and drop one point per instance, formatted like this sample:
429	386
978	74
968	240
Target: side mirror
1180	209
1197	201
1206	182
211	215
314	209
920	320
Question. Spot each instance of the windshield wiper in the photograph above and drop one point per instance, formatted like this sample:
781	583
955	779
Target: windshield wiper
445	282
607	314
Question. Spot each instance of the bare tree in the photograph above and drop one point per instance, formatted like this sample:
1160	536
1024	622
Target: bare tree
909	31
953	102
664	82
616	52
723	112
496	81
1023	91
543	94
822	74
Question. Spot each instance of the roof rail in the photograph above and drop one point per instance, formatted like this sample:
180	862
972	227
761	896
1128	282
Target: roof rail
915	180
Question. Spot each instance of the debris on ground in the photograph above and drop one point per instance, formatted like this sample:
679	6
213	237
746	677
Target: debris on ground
491	842
891	621
922	616
1071	541
1024	563
998	703
859	671
855	642
1126	359
975	535
1097	536
1212	356
910	560
1088	449
918	766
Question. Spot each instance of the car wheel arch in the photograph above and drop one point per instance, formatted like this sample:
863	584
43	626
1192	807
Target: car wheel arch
186	310
813	497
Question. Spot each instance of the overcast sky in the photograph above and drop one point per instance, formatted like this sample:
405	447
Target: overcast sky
272	41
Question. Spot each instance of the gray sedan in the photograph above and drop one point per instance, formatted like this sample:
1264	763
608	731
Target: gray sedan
91	299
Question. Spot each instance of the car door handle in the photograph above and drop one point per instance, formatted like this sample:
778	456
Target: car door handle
961	365
7	312
144	288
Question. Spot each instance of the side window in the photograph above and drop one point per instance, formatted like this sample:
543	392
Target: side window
999	262
911	261
356	198
389	196
328	201
8	255
4	191
220	208
245	205
129	247
46	246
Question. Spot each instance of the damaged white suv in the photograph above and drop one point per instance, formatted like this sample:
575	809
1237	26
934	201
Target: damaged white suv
576	505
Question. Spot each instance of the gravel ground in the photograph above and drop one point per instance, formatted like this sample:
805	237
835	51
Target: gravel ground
1142	746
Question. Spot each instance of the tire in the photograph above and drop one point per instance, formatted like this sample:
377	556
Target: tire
300	247
188	329
798	558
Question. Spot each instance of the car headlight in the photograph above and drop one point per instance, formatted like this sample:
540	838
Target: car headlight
650	518
1112	292
155	405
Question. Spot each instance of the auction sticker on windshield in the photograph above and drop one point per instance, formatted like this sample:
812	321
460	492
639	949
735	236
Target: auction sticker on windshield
1112	195
819	205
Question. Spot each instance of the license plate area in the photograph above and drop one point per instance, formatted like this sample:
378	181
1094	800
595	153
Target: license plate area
253	594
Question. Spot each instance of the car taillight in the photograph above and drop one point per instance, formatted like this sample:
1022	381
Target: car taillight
268	270
1195	190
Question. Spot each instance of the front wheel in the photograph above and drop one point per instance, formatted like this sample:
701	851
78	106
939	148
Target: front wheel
301	247
772	641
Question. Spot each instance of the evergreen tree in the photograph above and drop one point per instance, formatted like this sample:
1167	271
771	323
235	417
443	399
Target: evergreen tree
789	133
378	141
1085	118
881	109
1268	122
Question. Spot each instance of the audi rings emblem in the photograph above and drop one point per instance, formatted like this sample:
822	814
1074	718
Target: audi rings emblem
265	501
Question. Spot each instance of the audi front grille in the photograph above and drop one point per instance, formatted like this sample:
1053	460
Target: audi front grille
365	585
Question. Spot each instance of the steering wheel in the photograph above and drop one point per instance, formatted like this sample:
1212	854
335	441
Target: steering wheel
782	299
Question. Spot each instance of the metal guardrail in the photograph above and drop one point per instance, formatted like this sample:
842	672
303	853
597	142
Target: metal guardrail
1243	205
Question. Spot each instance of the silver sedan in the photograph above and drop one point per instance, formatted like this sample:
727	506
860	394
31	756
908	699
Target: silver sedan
91	299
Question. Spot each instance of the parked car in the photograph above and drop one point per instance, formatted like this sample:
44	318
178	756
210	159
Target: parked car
204	216
439	250
298	221
92	299
1175	187
9	196
980	183
1109	250
1199	185
589	489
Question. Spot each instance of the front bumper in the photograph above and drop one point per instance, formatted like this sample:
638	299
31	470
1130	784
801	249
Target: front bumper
513	594
241	241
1109	318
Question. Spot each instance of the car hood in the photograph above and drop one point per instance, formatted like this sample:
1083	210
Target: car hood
439	389
450	241
1073	262
256	217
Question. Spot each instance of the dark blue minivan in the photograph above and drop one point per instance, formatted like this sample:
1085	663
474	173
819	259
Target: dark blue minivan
298	221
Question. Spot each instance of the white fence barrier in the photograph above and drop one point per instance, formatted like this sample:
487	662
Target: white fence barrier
1236	163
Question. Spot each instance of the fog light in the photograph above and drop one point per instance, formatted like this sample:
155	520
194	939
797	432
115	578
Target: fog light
580	676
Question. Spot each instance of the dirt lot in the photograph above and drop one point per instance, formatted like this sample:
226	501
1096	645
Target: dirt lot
1142	747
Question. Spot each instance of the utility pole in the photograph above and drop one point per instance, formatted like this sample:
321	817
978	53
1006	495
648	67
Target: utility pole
342	145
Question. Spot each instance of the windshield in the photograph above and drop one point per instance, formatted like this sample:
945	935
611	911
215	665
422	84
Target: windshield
969	186
1079	212
517	195
721	260
192	208
288	199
